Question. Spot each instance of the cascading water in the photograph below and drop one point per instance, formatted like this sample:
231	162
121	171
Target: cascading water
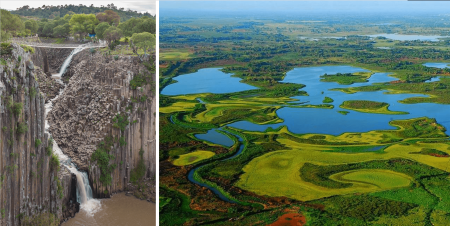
69	59
84	191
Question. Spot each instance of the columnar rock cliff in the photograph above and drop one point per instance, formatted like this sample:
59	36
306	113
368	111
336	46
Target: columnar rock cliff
99	102
29	184
50	59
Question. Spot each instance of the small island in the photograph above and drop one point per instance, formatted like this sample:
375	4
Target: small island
346	78
368	106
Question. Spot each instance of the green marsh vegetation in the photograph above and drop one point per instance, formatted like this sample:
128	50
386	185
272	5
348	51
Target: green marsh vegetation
381	177
346	78
369	106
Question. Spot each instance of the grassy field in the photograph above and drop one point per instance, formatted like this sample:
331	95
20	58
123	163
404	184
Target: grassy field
261	175
175	55
381	179
193	157
370	107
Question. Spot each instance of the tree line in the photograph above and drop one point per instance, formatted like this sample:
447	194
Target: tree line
51	12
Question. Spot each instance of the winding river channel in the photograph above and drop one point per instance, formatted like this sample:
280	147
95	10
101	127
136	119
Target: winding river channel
315	120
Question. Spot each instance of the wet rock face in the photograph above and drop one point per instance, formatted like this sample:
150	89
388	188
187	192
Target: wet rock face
56	58
28	185
50	59
98	88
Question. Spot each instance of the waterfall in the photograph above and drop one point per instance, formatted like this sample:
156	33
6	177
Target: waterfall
84	191
69	59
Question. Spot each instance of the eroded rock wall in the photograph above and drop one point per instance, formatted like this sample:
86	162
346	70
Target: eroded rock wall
50	59
28	185
98	90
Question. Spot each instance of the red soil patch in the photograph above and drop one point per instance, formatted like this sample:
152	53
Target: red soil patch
290	219
438	155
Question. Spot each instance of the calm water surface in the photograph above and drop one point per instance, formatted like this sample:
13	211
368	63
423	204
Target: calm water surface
215	137
120	210
433	38
437	65
208	80
317	120
329	121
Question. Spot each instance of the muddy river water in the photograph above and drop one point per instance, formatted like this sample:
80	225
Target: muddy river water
120	210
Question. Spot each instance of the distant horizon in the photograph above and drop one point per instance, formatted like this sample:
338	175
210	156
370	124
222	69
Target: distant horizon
308	6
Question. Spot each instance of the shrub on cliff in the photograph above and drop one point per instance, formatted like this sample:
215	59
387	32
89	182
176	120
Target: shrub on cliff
47	219
27	49
54	163
139	172
37	142
21	128
6	48
102	156
120	121
139	80
17	108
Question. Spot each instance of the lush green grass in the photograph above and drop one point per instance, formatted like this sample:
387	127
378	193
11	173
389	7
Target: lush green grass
193	157
369	107
262	174
432	152
346	78
413	194
327	100
174	55
386	179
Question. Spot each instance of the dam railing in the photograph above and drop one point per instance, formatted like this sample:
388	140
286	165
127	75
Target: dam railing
35	43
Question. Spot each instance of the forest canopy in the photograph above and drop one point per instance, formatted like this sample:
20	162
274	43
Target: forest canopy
78	21
51	12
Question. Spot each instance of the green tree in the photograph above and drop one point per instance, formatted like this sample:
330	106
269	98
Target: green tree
10	24
61	30
48	29
145	25
112	33
127	26
83	24
145	41
100	29
32	25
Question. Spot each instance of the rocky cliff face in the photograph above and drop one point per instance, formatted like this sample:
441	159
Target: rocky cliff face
30	183
50	59
99	103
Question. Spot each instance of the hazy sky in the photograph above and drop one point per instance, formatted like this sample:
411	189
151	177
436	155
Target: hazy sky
305	6
139	5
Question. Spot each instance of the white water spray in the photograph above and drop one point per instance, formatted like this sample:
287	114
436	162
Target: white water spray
69	59
84	191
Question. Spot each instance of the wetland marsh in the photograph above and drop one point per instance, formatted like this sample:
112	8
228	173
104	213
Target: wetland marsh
334	131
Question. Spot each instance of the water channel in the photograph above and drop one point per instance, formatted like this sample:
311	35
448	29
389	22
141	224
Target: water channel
320	120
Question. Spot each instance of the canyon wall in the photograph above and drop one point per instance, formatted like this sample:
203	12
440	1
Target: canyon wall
99	102
30	184
50	59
